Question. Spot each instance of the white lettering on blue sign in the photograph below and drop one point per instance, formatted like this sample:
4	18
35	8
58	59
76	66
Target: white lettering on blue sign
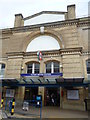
43	74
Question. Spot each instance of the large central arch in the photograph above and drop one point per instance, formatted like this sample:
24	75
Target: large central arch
36	34
43	42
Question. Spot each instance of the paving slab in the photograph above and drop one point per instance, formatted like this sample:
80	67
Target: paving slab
50	112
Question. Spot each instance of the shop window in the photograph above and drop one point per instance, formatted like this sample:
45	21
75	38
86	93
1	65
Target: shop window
88	68
2	70
33	68
52	67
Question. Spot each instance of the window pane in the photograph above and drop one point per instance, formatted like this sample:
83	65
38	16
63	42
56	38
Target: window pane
3	66
29	71
48	67
88	70
2	70
37	66
56	64
56	70
88	66
29	65
56	67
48	70
36	71
29	68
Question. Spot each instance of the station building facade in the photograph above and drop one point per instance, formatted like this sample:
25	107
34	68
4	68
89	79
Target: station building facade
71	58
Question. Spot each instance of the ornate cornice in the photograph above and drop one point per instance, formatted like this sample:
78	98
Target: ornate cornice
78	22
86	53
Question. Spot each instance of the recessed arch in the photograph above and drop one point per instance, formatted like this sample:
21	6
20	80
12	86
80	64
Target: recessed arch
53	60
31	62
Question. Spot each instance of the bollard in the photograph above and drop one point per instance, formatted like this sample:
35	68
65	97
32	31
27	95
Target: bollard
2	102
13	104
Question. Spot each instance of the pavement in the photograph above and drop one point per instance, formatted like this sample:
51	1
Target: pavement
47	112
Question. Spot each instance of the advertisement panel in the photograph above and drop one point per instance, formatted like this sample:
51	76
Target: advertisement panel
73	94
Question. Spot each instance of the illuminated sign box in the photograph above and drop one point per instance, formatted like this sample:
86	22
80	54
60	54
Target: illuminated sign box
39	98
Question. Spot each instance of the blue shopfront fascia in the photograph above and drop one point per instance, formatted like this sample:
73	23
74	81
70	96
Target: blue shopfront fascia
43	74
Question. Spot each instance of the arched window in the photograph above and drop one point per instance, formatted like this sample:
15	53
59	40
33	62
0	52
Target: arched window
88	68
2	70
52	67
33	68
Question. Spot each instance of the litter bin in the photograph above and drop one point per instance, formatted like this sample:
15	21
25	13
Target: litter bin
25	106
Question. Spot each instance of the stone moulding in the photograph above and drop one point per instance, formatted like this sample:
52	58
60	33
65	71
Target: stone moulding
78	22
44	53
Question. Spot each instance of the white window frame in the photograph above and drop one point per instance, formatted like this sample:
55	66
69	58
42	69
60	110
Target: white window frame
33	68
2	75
52	67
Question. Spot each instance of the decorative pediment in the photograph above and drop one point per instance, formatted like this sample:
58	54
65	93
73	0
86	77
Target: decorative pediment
44	17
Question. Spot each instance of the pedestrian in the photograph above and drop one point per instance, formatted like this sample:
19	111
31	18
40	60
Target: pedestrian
52	99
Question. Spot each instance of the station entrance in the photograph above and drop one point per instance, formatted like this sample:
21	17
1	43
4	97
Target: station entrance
30	93
52	96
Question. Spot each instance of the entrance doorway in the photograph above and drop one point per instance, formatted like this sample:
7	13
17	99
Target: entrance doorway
52	97
31	93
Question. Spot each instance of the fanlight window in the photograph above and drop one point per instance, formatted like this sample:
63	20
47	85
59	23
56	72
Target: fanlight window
2	70
52	67
33	68
43	42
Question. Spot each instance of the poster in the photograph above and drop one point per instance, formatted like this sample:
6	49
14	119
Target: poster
10	92
73	94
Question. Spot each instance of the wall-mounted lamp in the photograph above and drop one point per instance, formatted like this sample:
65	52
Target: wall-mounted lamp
22	67
42	30
61	66
51	58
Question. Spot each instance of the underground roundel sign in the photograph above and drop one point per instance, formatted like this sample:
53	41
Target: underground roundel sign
39	55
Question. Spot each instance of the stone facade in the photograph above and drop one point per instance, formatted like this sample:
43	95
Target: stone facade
72	36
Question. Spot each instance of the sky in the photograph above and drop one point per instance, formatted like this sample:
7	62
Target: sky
8	8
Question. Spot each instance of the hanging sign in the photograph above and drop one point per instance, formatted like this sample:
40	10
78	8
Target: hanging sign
39	55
